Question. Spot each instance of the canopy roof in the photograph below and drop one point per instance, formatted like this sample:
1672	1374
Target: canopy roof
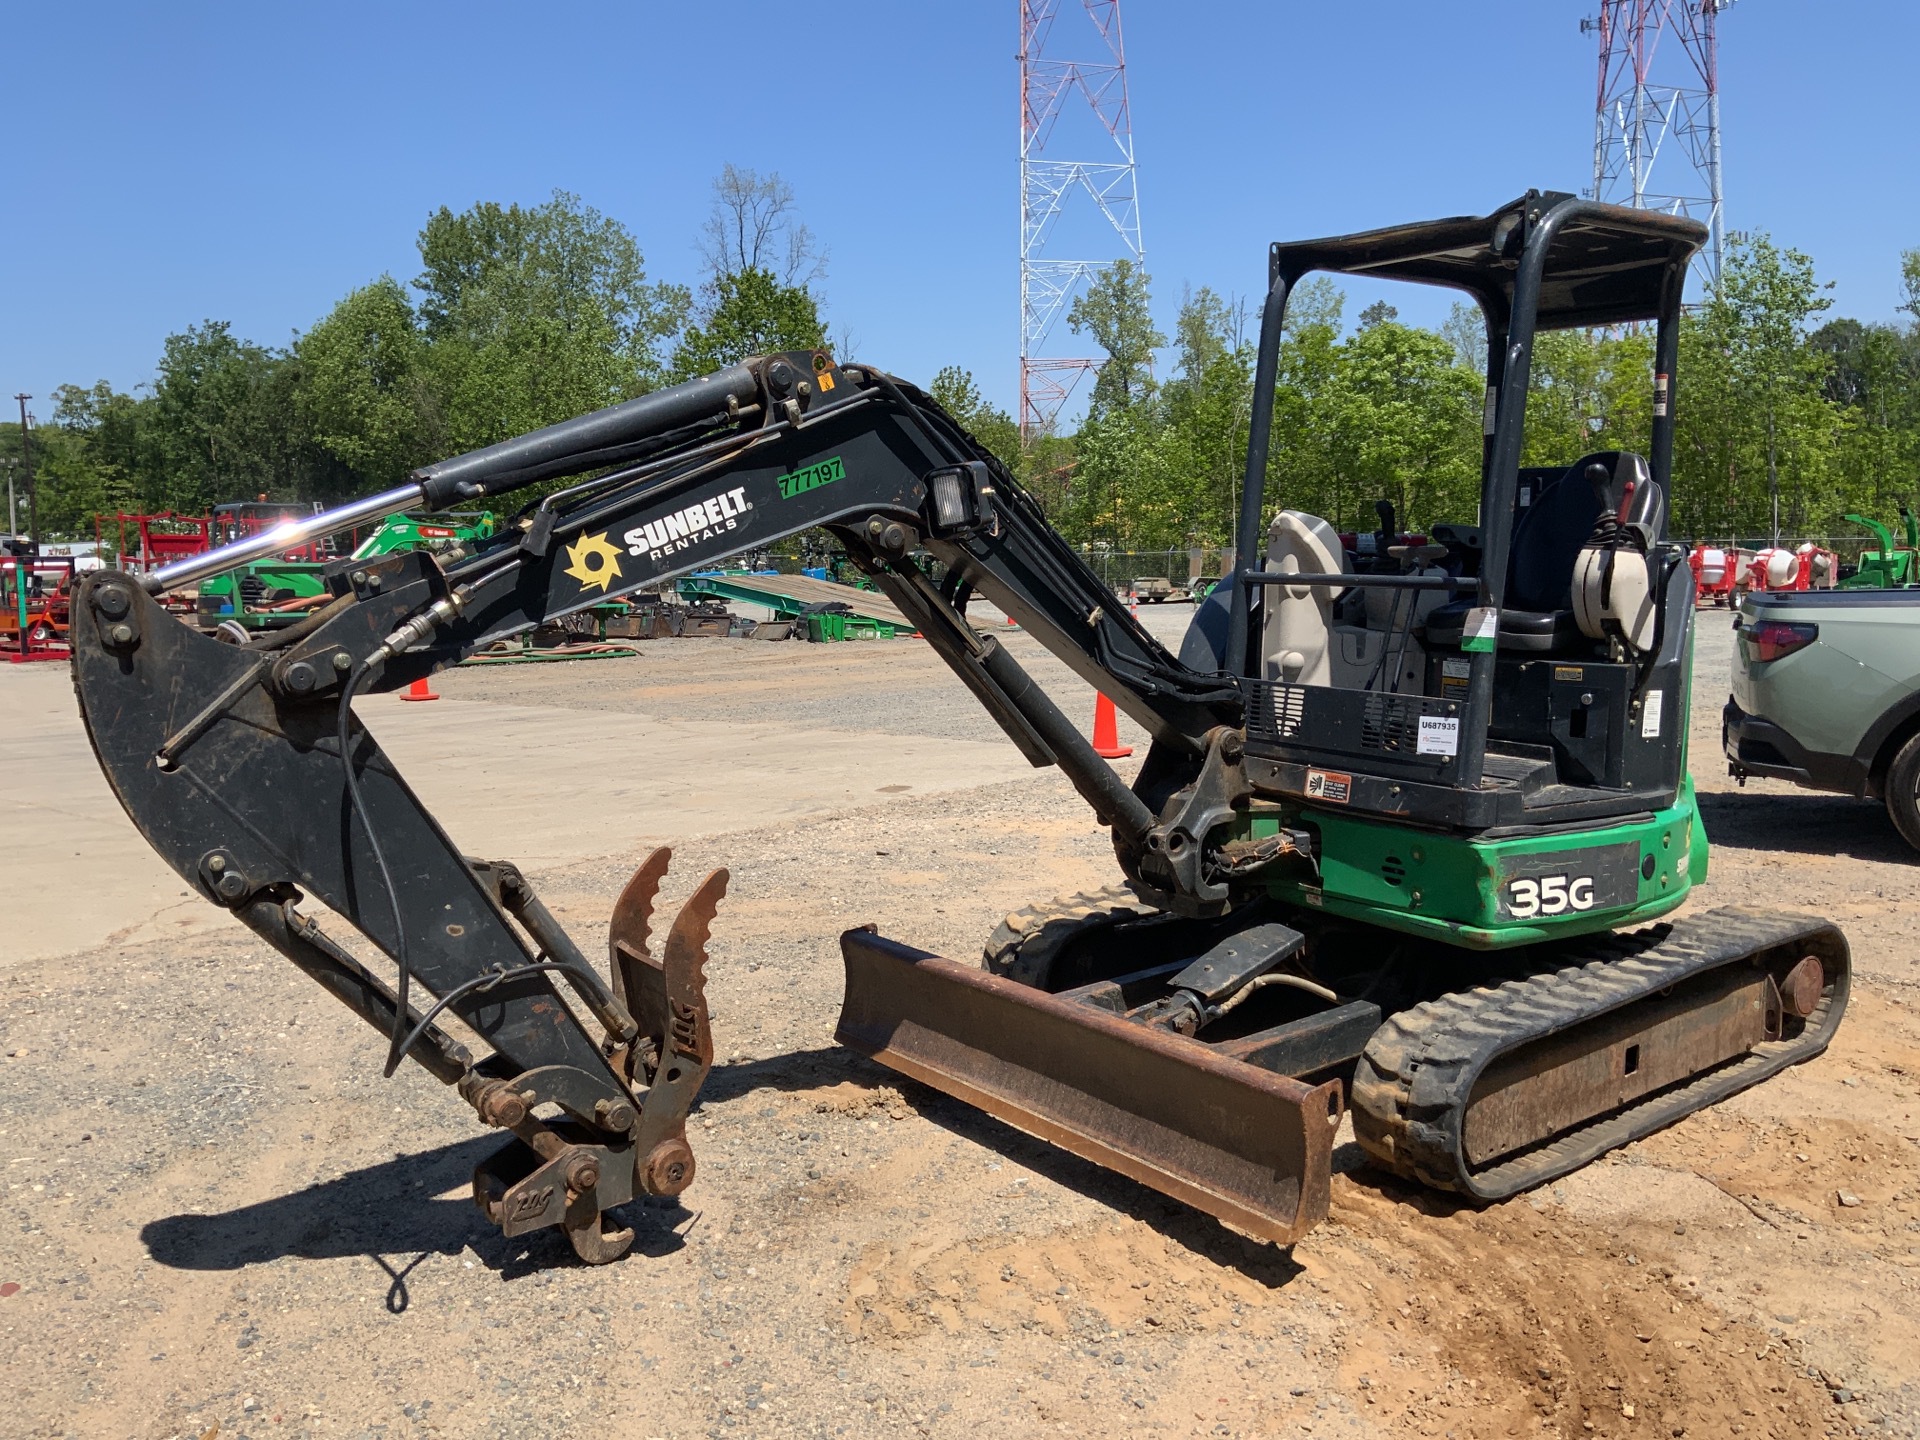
1606	265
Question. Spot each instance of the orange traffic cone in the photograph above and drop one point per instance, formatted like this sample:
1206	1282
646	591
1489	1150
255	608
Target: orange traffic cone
1106	730
419	690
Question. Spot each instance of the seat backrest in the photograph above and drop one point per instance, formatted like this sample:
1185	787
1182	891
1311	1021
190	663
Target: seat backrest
1299	623
1550	532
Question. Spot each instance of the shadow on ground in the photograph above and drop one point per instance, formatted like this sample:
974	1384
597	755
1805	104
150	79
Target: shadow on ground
387	1210
1803	824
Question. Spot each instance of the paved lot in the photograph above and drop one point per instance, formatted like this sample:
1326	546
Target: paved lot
223	1217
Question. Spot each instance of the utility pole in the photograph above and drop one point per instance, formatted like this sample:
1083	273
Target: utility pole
26	456
13	510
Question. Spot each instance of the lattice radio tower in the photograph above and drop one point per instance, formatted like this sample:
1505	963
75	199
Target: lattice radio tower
1049	186
1654	98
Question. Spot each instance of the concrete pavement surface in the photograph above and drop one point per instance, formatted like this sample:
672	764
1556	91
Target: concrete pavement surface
540	785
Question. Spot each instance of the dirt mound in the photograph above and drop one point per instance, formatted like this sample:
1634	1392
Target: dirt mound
1518	1320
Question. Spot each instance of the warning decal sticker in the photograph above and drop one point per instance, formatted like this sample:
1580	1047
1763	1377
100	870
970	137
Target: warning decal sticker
1330	786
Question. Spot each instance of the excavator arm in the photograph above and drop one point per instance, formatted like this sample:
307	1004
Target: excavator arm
249	772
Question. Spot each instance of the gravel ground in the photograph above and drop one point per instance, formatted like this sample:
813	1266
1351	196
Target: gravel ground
225	1223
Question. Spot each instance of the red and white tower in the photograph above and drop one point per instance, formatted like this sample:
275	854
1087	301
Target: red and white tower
1073	103
1655	98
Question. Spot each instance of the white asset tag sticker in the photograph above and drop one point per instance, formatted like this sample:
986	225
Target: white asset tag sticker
1482	627
1439	735
1650	715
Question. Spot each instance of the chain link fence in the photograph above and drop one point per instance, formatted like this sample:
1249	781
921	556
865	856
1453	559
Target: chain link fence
1182	569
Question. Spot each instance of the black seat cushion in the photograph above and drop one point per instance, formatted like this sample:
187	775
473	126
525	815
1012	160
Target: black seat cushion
1538	632
1547	539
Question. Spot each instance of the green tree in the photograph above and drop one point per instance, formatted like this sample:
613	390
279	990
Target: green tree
223	421
1588	390
1115	310
1466	330
1404	427
748	313
1378	313
96	458
1873	385
534	315
1205	407
1756	432
364	388
953	389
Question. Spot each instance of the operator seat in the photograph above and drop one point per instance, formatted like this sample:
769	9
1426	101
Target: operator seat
1538	617
1298	637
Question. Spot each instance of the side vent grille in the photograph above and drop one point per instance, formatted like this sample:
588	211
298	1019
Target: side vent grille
1392	870
1389	723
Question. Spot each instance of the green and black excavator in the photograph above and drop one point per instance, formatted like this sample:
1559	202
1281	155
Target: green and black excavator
1398	817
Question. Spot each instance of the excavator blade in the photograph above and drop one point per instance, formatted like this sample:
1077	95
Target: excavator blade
1247	1146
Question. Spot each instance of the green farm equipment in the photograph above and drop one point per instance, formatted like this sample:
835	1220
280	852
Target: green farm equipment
1889	567
274	592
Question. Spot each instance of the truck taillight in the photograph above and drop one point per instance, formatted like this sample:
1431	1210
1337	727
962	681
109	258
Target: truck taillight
1771	639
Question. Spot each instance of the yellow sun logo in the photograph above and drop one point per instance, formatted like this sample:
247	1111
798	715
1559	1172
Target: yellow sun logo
593	562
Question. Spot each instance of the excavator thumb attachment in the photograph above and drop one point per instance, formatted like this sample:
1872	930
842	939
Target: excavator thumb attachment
1250	1147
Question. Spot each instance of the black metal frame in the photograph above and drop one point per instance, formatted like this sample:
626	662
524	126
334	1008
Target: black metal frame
1616	266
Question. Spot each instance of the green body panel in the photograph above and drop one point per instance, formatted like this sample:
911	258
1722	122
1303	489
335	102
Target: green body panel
1887	567
219	595
1447	885
432	532
305	579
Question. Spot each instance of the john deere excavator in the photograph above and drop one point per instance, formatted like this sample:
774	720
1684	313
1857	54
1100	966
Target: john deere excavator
1396	816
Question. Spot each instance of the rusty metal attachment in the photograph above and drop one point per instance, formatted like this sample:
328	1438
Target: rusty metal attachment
1248	1146
607	1147
668	999
1801	987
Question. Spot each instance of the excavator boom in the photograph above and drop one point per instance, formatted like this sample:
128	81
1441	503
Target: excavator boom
249	772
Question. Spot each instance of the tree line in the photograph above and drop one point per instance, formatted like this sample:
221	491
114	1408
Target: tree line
522	316
1784	419
519	317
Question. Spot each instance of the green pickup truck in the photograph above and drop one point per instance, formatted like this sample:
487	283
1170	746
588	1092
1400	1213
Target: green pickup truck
1826	693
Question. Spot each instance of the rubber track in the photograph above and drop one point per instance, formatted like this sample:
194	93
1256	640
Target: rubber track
1023	945
1411	1087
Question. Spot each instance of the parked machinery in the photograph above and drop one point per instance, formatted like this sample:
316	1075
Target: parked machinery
1385	849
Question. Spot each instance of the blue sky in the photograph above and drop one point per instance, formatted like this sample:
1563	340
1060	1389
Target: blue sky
254	162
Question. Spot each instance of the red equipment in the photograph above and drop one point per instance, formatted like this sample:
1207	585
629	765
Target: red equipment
244	518
1715	574
1778	569
161	539
34	595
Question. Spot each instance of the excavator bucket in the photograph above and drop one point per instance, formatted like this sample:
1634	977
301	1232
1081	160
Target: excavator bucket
1248	1146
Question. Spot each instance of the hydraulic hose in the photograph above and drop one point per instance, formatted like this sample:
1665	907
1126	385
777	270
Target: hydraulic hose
398	1042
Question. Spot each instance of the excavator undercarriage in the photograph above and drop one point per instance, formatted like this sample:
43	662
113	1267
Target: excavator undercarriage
1411	818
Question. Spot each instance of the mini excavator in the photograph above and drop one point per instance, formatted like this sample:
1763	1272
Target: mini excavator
1400	843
